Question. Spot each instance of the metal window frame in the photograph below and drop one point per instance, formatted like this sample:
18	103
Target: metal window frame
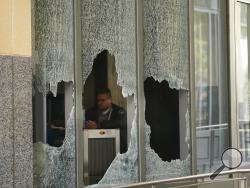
244	1
232	76
140	91
78	94
231	81
235	33
192	88
233	107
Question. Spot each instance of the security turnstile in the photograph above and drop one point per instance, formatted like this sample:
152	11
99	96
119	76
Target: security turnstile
100	148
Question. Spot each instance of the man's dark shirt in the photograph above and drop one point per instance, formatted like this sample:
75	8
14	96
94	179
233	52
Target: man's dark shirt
117	120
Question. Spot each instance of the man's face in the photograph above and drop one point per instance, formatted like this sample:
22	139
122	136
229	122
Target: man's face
103	101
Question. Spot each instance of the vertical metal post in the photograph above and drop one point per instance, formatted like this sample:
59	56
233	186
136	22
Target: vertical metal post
78	94
212	142
233	128
232	76
44	121
140	91
192	88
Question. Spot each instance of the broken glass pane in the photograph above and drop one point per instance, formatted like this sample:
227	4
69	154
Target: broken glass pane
166	58
166	42
157	169
52	57
102	77
52	49
110	25
166	63
55	166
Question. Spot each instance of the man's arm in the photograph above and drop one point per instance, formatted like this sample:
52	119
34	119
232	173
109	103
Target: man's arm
90	119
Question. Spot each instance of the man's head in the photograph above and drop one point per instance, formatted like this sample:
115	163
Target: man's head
104	99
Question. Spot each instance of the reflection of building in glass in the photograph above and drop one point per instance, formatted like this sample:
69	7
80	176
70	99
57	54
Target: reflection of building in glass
211	83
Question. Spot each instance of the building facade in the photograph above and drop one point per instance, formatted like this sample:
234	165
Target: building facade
179	69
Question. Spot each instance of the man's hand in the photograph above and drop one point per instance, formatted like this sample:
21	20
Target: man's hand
91	124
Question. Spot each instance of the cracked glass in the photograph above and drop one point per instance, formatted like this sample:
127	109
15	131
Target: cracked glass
108	59
53	103
166	70
166	88
108	52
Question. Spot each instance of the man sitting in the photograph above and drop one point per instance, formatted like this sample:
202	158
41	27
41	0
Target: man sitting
107	115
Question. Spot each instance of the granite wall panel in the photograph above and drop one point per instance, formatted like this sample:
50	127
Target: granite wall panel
23	166
16	163
6	123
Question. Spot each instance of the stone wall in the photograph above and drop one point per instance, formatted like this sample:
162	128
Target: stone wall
16	152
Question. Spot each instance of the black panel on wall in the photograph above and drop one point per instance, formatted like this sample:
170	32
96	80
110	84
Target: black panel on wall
162	114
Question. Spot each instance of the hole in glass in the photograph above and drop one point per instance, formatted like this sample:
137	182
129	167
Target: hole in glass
53	121
56	116
53	58
167	130
50	114
162	114
105	125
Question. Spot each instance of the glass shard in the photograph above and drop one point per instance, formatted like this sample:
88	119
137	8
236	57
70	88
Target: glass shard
166	41
52	52
110	25
55	166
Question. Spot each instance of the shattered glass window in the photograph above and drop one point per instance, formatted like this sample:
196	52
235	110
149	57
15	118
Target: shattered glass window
53	107
166	61
109	91
166	89
109	79
108	119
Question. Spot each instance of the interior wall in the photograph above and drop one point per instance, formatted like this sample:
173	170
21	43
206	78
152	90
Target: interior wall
68	98
116	90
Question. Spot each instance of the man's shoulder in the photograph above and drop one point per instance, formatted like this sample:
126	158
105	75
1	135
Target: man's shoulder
118	109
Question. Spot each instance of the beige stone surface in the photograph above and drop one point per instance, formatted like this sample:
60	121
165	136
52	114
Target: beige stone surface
5	26
15	27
